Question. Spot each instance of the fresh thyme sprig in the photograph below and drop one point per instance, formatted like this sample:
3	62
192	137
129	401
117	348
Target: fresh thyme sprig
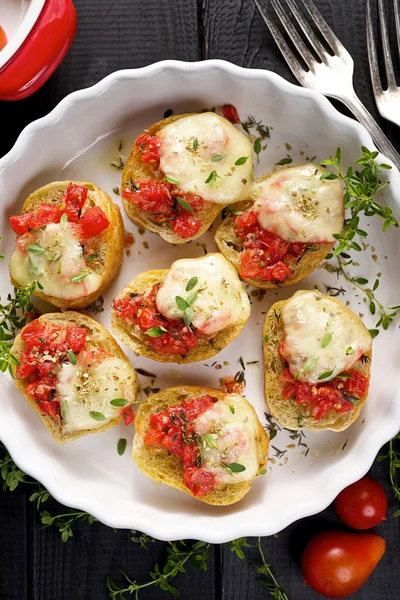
13	316
142	539
178	554
386	314
394	464
64	522
360	188
267	579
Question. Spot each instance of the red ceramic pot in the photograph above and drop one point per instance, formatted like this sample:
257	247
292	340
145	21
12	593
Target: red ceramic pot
36	47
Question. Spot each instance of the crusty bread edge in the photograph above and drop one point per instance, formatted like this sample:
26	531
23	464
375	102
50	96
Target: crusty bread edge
77	319
170	470
273	369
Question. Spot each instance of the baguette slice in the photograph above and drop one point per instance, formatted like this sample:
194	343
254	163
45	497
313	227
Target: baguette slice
136	340
97	337
286	412
164	467
108	245
231	246
136	169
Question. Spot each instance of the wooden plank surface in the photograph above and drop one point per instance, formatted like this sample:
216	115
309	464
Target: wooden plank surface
36	564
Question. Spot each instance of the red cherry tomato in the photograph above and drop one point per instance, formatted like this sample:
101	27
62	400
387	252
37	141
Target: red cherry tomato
336	564
362	504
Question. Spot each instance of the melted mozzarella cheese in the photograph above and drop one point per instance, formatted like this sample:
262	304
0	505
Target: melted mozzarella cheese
82	389
61	260
216	137
234	434
297	205
321	336
221	298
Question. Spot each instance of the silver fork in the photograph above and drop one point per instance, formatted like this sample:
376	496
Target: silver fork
388	101
330	75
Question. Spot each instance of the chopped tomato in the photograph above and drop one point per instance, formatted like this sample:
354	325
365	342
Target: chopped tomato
198	481
45	214
93	221
72	201
149	146
321	398
177	338
164	202
230	113
128	415
46	346
172	429
264	253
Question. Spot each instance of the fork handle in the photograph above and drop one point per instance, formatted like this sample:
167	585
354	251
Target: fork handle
383	144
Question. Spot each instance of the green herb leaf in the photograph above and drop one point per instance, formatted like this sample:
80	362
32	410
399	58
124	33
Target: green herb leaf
72	357
192	298
284	161
326	374
121	446
119	402
185	204
97	416
374	332
241	161
195	144
263	471
92	257
344	376
80	277
232	408
217	158
212	177
172	179
188	318
211	441
310	363
181	303
55	257
64	222
350	350
35	249
326	340
236	467
155	331
266	338
192	283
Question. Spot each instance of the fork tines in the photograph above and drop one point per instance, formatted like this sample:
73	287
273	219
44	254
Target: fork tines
372	51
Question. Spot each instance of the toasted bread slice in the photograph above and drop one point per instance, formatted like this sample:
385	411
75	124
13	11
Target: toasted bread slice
137	340
231	247
108	245
97	337
164	467
136	169
286	412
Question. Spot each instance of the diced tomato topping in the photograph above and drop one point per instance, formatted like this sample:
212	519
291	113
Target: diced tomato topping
72	201
160	199
229	111
264	253
357	385
45	214
128	415
321	398
177	339
46	346
173	430
93	221
198	481
149	147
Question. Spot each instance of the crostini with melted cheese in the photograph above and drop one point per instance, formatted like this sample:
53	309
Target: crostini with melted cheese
286	228
184	314
202	441
317	361
182	171
74	375
70	239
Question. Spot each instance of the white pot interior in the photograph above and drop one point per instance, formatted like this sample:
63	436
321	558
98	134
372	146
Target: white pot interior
17	17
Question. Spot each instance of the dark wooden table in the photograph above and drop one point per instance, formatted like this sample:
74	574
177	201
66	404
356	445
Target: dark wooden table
119	34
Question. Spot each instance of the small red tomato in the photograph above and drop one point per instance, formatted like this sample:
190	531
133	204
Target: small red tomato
336	564
362	504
